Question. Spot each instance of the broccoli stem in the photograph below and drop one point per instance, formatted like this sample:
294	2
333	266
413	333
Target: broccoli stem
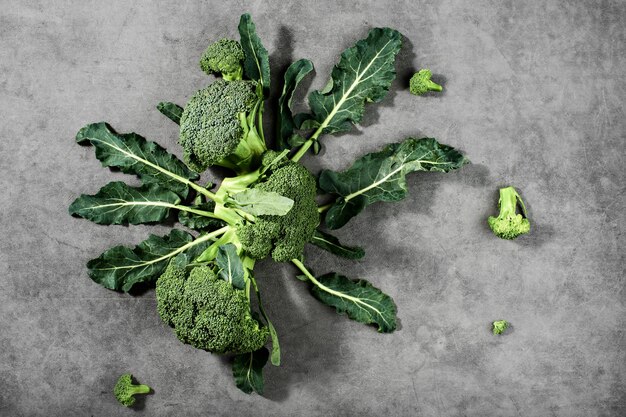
509	198
325	207
193	210
260	123
229	236
138	389
433	86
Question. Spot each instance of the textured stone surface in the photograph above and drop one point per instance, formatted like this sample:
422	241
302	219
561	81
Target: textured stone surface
534	95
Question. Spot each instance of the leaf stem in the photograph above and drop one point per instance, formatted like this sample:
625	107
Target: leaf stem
325	207
306	272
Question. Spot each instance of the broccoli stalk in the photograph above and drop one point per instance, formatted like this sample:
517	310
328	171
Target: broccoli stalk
125	390
421	83
509	224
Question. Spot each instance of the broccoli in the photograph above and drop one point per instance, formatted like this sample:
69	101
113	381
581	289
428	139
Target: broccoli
421	83
205	281
125	390
218	127
223	57
509	224
285	236
207	312
500	326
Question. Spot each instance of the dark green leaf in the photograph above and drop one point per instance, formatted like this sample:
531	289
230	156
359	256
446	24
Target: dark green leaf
381	176
295	140
197	221
300	119
286	125
275	357
230	266
248	370
331	244
343	210
358	299
363	74
256	64
121	267
171	111
259	202
118	203
133	154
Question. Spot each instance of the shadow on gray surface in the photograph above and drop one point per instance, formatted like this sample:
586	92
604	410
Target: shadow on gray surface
296	351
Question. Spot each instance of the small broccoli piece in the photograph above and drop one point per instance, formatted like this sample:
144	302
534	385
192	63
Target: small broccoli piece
509	224
218	127
223	57
500	326
283	236
207	312
125	390
421	83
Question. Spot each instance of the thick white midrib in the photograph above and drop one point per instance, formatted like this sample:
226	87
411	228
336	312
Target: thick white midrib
154	204
175	252
136	203
145	161
230	272
158	168
345	96
386	177
256	60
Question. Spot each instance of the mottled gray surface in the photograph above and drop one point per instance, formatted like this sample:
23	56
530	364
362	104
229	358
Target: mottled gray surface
534	95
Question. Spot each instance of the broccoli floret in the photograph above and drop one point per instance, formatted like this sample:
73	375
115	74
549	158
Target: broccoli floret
223	57
283	236
207	312
125	390
500	326
218	127
421	84
509	224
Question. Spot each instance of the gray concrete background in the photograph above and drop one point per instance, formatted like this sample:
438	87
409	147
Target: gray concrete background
534	95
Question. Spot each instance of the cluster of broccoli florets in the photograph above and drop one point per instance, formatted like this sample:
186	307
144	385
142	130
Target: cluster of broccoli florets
284	236
217	127
207	312
223	57
125	390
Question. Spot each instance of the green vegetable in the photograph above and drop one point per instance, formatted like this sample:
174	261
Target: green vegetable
218	127
125	390
509	224
207	312
381	176
204	278
223	57
500	326
421	83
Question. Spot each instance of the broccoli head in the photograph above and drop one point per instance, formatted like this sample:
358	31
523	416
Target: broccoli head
283	236
125	390
509	224
207	312
217	127
223	57
499	326
420	83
